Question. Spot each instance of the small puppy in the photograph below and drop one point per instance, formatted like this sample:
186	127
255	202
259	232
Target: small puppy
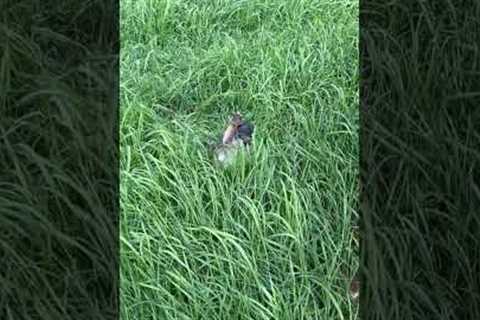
238	129
232	129
237	135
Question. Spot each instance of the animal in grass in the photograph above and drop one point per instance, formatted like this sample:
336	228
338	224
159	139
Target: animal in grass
237	136
354	288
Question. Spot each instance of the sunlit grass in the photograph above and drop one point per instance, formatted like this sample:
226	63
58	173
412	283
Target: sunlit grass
269	238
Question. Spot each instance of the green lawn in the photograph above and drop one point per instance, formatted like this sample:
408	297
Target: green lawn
269	238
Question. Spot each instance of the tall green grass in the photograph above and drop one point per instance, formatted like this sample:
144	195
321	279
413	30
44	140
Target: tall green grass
271	237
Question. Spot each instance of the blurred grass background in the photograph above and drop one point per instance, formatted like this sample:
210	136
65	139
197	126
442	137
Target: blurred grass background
270	238
420	64
58	160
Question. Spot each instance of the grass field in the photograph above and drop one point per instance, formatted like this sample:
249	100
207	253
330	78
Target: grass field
269	238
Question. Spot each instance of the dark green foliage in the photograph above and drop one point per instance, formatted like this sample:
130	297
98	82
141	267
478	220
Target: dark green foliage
58	167
419	160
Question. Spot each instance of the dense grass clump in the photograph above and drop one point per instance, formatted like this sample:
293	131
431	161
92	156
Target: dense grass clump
269	238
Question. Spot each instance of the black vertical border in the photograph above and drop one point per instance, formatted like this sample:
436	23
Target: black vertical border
420	157
59	170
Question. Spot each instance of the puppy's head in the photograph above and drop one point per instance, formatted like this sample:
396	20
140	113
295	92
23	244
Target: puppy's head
236	119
